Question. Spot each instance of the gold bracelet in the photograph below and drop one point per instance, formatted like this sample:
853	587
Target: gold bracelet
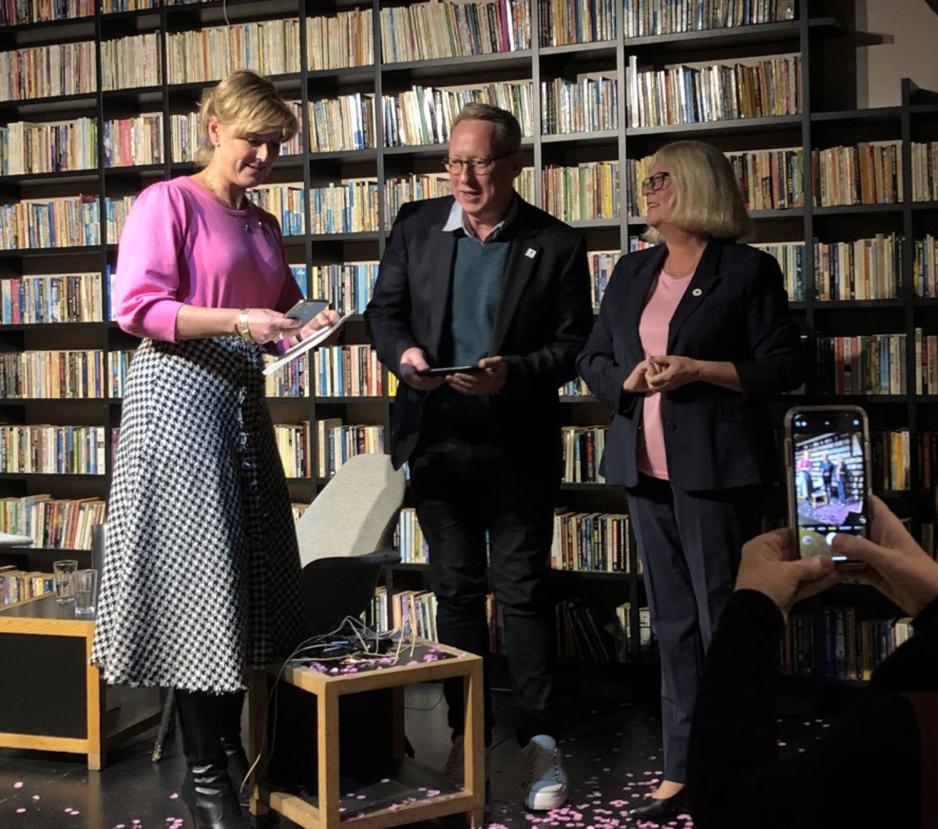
243	327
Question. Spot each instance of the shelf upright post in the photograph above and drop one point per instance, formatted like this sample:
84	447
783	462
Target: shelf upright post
908	288
622	82
810	355
536	114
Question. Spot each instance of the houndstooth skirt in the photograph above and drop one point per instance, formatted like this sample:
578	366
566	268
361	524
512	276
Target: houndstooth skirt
201	574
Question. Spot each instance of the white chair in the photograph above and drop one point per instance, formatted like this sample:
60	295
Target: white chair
345	536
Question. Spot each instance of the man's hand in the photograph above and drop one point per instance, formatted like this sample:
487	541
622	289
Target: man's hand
412	361
672	372
769	565
488	381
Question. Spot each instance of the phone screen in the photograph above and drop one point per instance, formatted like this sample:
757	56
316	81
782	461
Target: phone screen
829	483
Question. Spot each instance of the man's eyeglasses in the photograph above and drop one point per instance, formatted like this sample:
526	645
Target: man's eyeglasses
655	182
475	166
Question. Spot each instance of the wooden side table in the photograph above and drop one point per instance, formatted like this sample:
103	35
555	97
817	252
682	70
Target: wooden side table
426	802
51	696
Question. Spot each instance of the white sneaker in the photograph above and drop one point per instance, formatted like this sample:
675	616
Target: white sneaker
545	781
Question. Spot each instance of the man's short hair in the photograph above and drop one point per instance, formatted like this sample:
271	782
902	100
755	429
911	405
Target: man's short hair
507	128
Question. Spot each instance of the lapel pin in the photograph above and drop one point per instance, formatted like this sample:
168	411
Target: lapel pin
530	253
696	292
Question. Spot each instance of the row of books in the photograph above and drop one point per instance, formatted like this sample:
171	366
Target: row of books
864	269
270	47
594	542
341	40
869	173
868	364
52	450
16	12
409	540
925	266
291	380
425	31
20	585
713	92
343	123
588	104
424	115
285	202
351	371
61	524
348	286
116	211
48	147
601	265
589	190
582	452
50	223
926	362
562	22
129	142
790	257
48	71
581	635
336	442
839	644
413	612
294	444
130	62
927	449
644	18
925	171
118	366
52	374
575	388
51	298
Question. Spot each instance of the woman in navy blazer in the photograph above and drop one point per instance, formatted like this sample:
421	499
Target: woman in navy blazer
690	336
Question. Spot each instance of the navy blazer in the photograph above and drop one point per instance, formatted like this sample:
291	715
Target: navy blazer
543	320
735	309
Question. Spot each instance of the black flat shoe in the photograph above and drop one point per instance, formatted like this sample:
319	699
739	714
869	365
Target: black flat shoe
663	809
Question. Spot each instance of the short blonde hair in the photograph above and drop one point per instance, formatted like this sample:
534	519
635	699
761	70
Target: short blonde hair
249	103
706	200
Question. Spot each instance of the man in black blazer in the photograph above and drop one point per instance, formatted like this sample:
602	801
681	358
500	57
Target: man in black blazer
484	279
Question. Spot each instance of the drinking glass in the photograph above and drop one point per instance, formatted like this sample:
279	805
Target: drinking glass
86	592
63	572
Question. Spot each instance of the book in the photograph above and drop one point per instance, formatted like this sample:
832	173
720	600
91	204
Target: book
303	346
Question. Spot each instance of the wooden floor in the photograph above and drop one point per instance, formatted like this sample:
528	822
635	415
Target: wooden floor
611	751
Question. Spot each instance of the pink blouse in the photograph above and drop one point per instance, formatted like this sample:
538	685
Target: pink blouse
653	333
181	246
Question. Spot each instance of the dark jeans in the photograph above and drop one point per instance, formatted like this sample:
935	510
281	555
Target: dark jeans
690	545
461	488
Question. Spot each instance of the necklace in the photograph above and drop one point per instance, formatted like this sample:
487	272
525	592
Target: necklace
247	223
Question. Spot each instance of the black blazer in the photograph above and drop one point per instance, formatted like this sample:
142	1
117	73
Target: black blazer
543	319
736	310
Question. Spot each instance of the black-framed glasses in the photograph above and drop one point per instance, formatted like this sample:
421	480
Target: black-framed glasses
475	166
655	182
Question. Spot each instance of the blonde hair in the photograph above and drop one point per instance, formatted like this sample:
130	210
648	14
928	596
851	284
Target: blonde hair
507	128
250	104
706	199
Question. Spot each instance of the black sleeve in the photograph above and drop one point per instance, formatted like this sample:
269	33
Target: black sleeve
388	314
597	363
913	667
861	772
554	363
775	364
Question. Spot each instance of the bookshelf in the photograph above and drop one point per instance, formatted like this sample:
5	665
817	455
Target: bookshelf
335	57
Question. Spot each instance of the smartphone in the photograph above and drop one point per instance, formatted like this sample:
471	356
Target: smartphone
306	309
443	371
827	452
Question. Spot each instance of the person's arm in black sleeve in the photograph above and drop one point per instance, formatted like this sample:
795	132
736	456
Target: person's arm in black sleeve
913	667
388	314
554	363
861	773
775	364
597	363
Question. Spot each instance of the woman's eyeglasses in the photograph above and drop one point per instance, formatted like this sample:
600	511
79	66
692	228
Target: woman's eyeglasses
655	182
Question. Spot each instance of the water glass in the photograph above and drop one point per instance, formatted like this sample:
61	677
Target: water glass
63	572
86	592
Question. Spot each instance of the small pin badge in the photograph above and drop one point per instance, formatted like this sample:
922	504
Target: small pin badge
530	253
696	292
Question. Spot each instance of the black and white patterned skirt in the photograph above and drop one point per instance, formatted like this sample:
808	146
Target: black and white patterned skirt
201	573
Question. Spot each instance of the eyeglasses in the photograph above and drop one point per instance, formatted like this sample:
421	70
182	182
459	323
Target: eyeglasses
475	166
655	182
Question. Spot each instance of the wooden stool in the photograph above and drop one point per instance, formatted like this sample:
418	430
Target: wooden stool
427	801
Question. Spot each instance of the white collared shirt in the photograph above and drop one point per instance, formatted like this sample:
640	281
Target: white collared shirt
459	221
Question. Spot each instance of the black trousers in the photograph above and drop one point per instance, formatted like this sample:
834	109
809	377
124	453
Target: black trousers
690	545
463	488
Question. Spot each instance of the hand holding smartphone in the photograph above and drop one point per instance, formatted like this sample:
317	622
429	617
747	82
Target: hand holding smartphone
304	310
827	450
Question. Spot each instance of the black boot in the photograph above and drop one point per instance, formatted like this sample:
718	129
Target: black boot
207	789
208	793
231	707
